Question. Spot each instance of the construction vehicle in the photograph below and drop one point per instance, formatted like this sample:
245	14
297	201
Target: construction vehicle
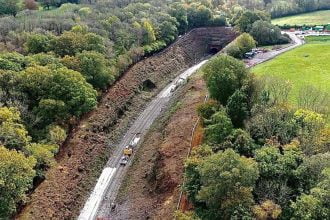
128	151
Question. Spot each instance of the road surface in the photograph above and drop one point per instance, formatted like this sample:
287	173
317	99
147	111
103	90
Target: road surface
262	57
99	203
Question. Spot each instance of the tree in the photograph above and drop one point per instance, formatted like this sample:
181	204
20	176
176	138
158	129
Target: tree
240	141
266	33
12	61
310	171
241	45
315	205
223	75
9	7
198	15
207	109
93	66
273	123
314	99
44	155
179	12
58	91
76	41
237	108
168	32
278	181
227	181
247	18
267	210
38	43
218	128
313	133
148	32
16	175
56	135
9	94
193	183
13	134
48	3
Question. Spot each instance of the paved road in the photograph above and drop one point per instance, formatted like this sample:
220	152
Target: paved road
106	189
262	57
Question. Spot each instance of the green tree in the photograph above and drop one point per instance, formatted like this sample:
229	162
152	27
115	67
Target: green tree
238	108
44	155
12	61
50	3
38	43
207	109
16	175
9	7
266	33
218	128
193	183
309	172
56	135
168	31
278	181
50	110
241	45
273	123
179	12
198	15
94	68
223	75
57	91
315	205
241	142
13	134
313	133
227	181
247	18
148	32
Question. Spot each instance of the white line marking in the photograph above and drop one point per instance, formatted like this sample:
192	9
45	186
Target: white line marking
92	205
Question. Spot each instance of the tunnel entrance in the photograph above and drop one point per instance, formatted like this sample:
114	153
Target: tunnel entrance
213	50
148	85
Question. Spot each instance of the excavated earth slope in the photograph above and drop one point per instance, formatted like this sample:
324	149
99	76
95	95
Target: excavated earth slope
79	163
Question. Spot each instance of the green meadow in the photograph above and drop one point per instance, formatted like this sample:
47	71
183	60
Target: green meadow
303	66
312	18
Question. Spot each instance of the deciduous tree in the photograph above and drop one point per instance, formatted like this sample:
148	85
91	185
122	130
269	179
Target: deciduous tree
224	75
16	175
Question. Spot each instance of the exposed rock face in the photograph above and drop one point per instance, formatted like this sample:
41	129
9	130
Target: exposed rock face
64	191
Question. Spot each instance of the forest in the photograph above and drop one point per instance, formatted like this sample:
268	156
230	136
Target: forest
57	57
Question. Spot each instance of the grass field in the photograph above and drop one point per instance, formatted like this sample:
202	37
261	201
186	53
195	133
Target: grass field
306	65
312	18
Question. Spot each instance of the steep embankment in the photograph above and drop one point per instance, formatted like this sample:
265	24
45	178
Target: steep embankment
67	184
